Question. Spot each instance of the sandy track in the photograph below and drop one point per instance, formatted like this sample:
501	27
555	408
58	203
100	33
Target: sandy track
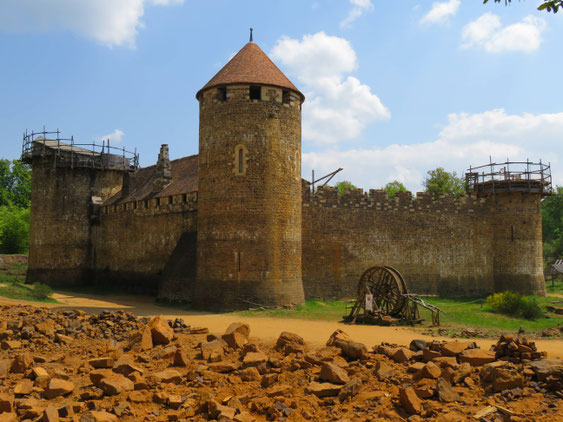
267	330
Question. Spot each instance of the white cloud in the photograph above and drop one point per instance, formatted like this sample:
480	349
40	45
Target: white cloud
441	12
467	139
359	7
488	33
338	107
114	137
108	22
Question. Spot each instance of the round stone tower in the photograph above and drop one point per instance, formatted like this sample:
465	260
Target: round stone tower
514	191
249	199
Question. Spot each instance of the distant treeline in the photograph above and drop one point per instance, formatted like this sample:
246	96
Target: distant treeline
15	200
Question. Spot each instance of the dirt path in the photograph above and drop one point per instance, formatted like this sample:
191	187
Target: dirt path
267	330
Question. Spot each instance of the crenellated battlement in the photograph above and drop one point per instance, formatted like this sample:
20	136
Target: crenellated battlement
160	205
379	200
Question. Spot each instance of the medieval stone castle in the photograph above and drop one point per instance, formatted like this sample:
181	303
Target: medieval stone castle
236	226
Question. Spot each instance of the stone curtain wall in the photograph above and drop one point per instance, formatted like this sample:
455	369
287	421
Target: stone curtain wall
134	241
442	246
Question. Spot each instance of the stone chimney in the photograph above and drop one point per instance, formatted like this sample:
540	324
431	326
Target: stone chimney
163	174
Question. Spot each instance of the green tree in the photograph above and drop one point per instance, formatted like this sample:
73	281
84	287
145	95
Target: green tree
548	5
15	183
440	181
394	186
552	224
14	230
342	186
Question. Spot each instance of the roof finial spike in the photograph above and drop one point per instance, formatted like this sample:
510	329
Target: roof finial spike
251	40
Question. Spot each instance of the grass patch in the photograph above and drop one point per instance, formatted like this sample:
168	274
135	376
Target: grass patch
475	313
312	310
23	292
458	313
12	278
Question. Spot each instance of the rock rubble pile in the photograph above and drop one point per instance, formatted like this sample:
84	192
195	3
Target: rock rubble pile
68	366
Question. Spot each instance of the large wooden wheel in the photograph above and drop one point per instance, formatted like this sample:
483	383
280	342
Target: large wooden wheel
387	287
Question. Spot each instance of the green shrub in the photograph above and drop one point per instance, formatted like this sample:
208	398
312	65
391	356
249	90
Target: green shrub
41	291
530	309
512	303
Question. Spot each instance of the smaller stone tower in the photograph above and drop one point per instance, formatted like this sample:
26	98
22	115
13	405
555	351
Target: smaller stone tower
515	190
69	182
249	188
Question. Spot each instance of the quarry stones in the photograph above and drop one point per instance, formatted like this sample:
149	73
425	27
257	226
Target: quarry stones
333	374
263	381
58	387
161	332
476	357
409	400
115	384
290	343
236	335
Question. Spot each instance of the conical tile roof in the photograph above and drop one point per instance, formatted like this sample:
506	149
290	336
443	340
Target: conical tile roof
250	66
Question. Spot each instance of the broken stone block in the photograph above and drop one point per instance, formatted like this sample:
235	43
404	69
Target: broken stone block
402	354
290	343
417	345
161	331
333	374
428	355
352	350
23	388
350	389
249	374
506	378
235	340
99	374
445	391
268	380
181	358
338	335
409	400
254	359
211	347
223	367
50	414
98	416
429	370
140	339
384	371
103	362
58	387
168	376
21	364
453	348
141	396
125	365
11	344
324	389
6	403
116	384
220	412
476	357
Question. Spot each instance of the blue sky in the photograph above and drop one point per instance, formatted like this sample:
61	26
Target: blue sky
394	88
